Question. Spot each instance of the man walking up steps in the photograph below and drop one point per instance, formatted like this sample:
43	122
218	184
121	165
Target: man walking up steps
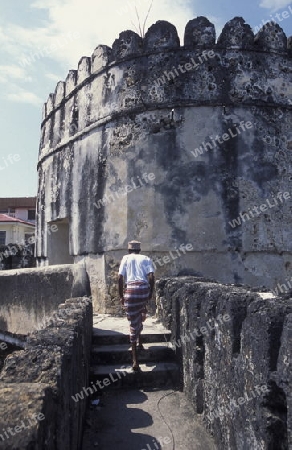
137	273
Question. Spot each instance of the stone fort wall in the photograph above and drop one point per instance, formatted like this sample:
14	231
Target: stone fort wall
170	144
37	384
234	347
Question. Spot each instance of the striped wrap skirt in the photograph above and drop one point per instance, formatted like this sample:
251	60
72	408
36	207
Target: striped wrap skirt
136	296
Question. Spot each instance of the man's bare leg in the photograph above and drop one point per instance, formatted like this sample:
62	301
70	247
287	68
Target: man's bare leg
134	354
140	345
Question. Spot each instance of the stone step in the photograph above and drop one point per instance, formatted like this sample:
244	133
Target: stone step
111	357
158	375
121	353
108	338
110	330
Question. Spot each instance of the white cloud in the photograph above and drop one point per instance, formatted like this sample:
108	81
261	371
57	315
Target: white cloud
274	4
11	71
72	29
103	23
20	95
52	76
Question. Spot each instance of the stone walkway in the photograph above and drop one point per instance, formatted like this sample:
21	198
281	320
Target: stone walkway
145	411
144	420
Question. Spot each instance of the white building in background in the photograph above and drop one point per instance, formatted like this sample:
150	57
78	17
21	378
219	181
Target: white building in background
23	208
17	219
14	231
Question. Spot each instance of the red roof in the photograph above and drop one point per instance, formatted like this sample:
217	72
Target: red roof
6	218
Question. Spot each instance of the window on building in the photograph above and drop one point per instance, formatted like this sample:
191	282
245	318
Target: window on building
31	214
2	237
9	211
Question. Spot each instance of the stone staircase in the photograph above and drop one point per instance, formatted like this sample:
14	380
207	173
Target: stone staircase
111	358
145	409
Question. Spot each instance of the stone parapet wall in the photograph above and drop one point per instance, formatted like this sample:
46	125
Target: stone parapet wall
29	296
36	384
27	417
235	348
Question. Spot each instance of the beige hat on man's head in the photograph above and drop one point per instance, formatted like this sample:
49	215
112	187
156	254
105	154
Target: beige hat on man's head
134	245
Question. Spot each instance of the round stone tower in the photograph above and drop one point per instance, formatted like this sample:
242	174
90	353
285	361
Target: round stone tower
185	148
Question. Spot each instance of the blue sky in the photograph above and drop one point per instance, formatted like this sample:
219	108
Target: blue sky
60	32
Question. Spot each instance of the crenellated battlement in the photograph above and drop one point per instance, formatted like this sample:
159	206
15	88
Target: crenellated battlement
162	36
142	74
